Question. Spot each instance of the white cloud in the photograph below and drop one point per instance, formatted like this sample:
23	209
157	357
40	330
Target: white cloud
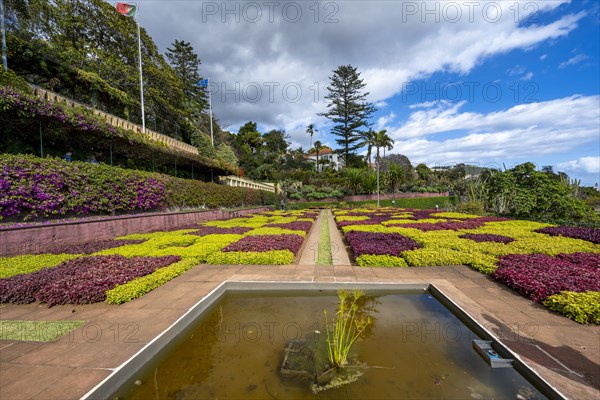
589	165
527	76
523	131
389	45
573	61
516	70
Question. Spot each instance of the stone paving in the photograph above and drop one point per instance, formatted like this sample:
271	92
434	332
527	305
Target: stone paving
565	353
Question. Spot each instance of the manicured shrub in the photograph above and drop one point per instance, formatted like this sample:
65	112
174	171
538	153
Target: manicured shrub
215	230
379	243
487	237
267	243
589	234
538	276
81	281
89	248
264	231
370	260
28	263
581	307
274	257
303	226
472	223
140	286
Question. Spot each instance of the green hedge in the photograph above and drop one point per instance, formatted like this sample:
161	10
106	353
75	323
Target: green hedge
422	203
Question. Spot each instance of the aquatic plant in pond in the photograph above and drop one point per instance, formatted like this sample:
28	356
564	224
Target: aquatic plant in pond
347	328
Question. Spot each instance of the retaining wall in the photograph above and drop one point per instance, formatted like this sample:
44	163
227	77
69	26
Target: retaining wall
36	239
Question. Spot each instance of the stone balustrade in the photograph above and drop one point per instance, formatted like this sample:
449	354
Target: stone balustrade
114	120
237	181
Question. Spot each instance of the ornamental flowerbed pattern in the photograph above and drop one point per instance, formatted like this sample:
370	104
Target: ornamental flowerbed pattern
128	267
538	260
78	281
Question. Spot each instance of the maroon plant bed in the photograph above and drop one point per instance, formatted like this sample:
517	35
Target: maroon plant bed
379	243
575	232
80	281
538	276
294	226
262	243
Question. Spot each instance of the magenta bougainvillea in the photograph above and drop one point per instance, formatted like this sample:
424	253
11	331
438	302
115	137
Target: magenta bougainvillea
379	243
80	281
589	234
261	243
538	276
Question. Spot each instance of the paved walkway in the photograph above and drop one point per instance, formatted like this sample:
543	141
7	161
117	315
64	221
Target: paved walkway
565	353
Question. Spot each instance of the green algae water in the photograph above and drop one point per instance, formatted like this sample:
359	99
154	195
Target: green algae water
414	349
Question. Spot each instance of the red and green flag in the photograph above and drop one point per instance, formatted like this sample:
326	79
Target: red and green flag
126	9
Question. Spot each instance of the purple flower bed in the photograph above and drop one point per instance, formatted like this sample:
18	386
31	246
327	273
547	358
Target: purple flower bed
589	234
295	226
538	276
80	281
263	243
215	230
379	243
32	187
88	248
587	259
487	237
472	223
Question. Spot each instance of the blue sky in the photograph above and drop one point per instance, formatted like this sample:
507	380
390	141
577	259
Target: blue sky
455	81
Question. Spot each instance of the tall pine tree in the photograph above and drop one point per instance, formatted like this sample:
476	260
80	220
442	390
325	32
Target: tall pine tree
348	109
186	62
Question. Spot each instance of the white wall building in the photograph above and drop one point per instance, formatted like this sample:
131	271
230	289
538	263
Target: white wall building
327	158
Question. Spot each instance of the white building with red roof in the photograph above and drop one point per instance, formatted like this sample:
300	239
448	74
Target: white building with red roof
327	158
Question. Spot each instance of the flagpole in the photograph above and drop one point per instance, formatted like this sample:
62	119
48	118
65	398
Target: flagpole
140	66
4	64
212	140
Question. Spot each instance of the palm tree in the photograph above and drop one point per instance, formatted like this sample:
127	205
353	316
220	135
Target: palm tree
368	139
383	140
310	129
318	146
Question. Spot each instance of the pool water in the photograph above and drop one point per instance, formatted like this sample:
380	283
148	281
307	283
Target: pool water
414	349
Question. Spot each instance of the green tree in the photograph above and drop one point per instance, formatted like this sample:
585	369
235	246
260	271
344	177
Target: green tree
318	147
381	140
226	154
186	63
423	172
348	109
310	129
368	140
523	192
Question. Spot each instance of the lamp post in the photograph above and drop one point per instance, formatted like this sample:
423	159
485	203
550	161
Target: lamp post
377	182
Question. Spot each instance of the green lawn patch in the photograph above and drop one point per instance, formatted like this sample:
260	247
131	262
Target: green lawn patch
36	331
324	256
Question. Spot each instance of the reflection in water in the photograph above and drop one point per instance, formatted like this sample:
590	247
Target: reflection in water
237	352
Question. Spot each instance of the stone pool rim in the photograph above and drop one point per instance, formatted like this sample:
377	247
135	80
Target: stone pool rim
127	370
